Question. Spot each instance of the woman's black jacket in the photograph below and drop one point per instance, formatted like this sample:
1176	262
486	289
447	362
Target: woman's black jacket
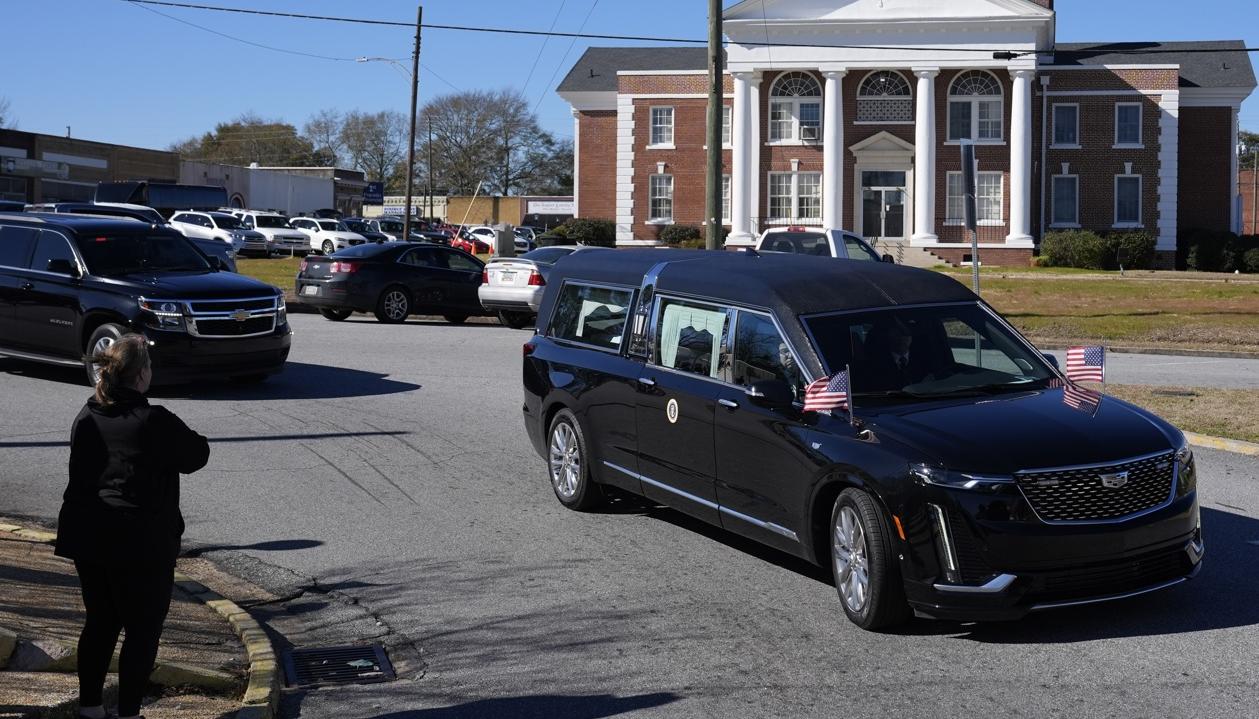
122	503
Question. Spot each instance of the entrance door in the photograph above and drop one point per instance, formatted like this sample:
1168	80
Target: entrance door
883	205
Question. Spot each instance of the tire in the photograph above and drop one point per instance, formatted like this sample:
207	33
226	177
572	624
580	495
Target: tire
867	576
101	339
456	319
514	320
250	379
568	464
335	315
394	305
328	247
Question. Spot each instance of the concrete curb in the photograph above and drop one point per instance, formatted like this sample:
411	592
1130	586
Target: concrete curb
1168	351
262	694
1226	445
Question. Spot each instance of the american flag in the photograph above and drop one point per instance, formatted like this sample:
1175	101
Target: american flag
1078	398
1086	364
827	394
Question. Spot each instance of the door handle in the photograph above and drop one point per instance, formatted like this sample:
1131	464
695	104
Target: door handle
728	403
647	381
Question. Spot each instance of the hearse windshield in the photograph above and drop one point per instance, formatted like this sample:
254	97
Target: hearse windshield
929	352
117	255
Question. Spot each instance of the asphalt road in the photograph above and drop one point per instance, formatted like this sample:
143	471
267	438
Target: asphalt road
1220	372
385	485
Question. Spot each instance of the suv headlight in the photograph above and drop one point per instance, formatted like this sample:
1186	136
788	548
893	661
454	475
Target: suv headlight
1186	472
163	315
281	312
958	480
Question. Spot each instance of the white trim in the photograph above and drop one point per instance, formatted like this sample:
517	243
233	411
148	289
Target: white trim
662	220
795	198
1138	224
981	143
590	100
576	163
1235	218
1001	219
1107	67
1214	96
1168	171
651	127
974	102
1053	130
670	95
1103	93
1053	202
1140	143
911	97
664	72
99	163
624	169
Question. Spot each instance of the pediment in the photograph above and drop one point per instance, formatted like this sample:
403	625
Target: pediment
883	143
789	11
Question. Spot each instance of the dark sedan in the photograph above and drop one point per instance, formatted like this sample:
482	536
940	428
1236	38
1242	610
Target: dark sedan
393	281
361	227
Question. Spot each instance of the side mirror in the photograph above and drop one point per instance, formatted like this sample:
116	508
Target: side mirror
63	267
770	394
1051	359
889	259
217	263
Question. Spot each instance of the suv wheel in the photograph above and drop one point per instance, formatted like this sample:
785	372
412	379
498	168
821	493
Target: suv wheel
335	315
514	320
455	319
101	339
394	305
568	464
867	577
328	247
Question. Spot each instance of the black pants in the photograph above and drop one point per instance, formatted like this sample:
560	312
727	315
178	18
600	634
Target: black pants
119	597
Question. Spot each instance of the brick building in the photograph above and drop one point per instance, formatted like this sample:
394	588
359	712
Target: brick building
50	168
835	115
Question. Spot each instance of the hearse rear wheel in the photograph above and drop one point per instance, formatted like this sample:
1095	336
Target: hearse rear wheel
867	576
568	464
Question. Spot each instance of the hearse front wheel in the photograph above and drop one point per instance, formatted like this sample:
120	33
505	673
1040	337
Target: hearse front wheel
568	465
863	557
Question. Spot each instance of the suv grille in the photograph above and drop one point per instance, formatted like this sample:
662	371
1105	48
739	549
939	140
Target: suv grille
245	317
263	303
1112	577
232	328
1081	494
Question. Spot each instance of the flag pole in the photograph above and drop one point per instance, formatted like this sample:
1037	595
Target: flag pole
852	420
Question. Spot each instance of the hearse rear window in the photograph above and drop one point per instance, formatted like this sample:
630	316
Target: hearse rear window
690	337
591	315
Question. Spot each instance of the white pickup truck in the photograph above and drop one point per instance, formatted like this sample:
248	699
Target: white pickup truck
818	241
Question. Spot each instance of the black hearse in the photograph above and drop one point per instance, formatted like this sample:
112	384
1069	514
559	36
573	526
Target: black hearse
72	284
971	482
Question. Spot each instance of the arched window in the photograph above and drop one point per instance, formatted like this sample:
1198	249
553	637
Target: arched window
975	111
884	96
795	108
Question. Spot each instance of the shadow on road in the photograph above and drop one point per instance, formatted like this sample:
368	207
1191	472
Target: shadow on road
278	545
246	439
541	707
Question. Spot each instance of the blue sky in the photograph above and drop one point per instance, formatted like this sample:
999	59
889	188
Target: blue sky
118	73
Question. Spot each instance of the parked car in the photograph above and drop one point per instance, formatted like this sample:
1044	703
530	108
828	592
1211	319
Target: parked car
326	236
512	287
12	206
360	226
389	226
394	280
818	241
472	242
281	236
87	280
220	226
971	481
327	213
224	254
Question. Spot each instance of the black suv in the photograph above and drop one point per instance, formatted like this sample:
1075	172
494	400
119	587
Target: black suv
967	479
71	285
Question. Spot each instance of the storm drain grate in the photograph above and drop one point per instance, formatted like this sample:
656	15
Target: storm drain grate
319	666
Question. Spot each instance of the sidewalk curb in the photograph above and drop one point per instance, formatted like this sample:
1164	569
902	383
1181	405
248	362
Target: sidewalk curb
1167	351
262	694
1235	446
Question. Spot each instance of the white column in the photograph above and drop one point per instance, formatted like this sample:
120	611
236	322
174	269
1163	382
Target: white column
741	163
925	157
833	151
1021	158
576	163
1168	169
754	191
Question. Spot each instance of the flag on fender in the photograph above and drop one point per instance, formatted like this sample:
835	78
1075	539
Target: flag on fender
827	394
1086	364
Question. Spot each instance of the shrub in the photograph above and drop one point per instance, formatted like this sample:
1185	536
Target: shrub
1136	249
1214	251
596	233
677	235
1250	260
1089	250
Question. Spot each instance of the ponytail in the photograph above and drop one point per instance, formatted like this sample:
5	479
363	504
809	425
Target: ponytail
119	366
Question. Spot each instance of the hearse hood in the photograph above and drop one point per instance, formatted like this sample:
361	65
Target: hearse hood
198	286
1029	430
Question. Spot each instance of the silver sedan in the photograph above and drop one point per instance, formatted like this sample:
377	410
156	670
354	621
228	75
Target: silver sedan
512	286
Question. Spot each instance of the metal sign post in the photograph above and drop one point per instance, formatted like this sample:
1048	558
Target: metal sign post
970	172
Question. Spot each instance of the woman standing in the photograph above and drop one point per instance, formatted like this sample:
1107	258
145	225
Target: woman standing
120	522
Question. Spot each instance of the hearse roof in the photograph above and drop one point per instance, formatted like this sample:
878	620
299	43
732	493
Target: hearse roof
788	284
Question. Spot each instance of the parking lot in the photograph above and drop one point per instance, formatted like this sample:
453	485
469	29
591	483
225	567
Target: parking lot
389	465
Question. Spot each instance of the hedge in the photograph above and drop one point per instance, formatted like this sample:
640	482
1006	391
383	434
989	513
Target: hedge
596	233
1089	250
1215	251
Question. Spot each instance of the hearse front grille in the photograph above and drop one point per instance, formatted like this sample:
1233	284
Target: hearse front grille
1102	493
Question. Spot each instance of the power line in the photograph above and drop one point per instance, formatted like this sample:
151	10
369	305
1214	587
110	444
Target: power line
545	41
564	59
242	40
661	39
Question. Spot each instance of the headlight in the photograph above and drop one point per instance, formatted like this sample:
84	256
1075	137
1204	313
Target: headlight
281	312
163	315
958	480
1186	472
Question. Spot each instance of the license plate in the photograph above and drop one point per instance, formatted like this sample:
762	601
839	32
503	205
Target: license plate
506	277
310	290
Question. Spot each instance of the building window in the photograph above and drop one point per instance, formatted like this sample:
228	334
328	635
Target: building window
661	126
795	196
884	96
989	190
1066	201
1127	200
726	121
660	192
1128	124
795	108
975	109
1066	126
725	199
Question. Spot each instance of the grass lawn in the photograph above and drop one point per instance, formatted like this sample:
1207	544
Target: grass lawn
1232	413
278	271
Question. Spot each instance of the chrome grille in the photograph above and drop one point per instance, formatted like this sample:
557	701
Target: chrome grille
213	306
244	317
1081	495
234	328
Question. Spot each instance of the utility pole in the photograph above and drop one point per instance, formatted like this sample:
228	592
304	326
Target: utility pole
415	92
432	204
716	93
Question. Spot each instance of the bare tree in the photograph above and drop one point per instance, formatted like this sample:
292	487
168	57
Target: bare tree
323	129
375	142
6	120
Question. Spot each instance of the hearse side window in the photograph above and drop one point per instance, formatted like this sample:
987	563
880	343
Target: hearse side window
16	244
591	315
761	353
51	246
690	336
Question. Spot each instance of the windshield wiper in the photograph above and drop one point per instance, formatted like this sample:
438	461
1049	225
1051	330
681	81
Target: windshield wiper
982	389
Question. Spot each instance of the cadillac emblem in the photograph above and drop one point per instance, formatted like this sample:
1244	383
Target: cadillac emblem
1114	481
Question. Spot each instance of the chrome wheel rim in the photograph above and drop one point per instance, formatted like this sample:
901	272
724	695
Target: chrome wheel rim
396	305
852	569
101	345
565	461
